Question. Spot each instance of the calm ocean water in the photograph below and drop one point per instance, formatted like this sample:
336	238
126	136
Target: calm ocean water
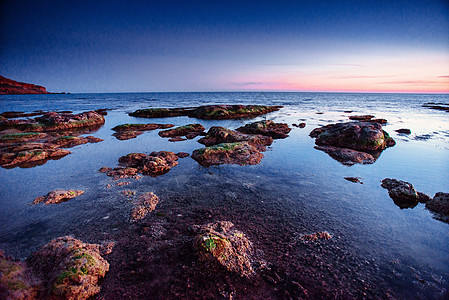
295	188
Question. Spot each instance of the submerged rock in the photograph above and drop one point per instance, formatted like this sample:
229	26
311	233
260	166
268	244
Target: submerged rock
218	244
354	179
312	237
129	131
268	128
403	193
69	268
300	125
145	204
348	156
58	196
440	206
208	112
27	158
240	153
192	130
437	106
72	141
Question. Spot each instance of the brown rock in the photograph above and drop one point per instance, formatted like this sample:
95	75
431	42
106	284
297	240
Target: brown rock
404	131
145	204
129	131
217	135
217	244
361	118
267	128
58	196
182	154
177	139
300	125
320	235
12	87
241	153
182	130
354	179
439	205
69	268
403	193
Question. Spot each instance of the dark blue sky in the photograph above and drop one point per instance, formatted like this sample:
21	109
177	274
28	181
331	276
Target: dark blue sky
107	46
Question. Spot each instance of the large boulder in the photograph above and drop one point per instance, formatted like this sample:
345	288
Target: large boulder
268	128
361	136
219	244
69	268
440	206
403	193
240	153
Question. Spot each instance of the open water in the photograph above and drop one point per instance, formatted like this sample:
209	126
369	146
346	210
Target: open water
295	190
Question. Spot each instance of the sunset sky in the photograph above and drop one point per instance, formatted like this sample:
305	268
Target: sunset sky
146	46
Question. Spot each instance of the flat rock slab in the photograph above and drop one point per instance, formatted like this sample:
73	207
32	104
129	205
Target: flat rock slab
267	128
208	112
217	135
190	129
58	196
130	131
240	153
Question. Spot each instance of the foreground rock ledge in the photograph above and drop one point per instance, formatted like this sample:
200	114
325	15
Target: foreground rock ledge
218	244
65	268
208	112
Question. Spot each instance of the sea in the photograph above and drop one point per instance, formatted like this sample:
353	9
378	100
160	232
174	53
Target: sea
377	249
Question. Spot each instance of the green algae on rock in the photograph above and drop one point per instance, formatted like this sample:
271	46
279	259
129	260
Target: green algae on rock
191	130
218	244
129	131
208	112
268	128
58	196
240	153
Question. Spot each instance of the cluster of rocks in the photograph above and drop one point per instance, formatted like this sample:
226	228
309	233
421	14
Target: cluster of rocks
226	146
31	142
130	131
352	142
208	112
65	268
405	195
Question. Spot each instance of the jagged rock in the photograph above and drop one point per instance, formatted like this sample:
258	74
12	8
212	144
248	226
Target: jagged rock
312	237
192	130
217	135
145	204
69	268
241	153
267	128
58	196
30	157
129	131
440	206
403	193
218	244
348	156
157	163
208	112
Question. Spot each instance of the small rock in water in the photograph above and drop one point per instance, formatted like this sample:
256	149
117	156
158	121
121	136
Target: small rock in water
440	206
300	125
58	196
403	131
354	179
403	193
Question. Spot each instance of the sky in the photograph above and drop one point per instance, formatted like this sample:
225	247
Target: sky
225	45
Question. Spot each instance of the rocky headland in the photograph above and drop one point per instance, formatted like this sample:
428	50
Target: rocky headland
12	87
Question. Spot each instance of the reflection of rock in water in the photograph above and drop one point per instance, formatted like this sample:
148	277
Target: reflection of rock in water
352	142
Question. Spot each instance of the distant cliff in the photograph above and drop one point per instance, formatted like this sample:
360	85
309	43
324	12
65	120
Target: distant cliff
12	87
